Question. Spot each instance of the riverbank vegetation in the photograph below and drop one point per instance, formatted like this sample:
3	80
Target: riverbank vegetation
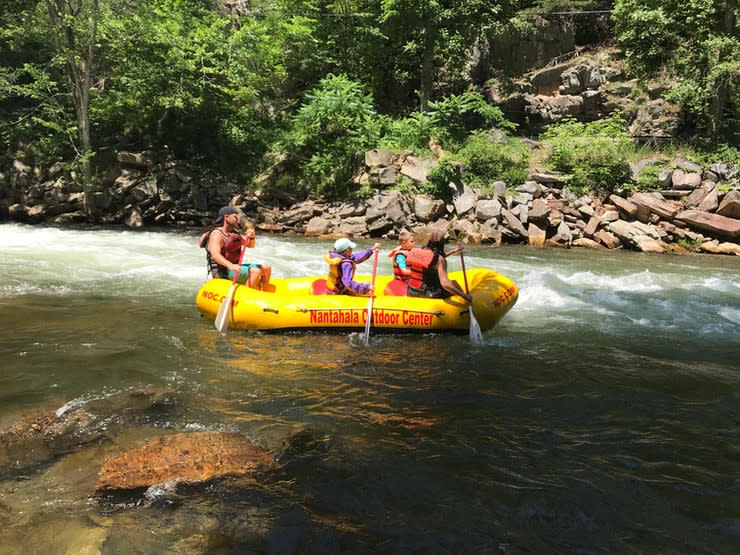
243	85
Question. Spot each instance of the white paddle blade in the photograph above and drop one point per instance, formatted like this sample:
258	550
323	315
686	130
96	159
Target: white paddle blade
475	334
222	318
366	339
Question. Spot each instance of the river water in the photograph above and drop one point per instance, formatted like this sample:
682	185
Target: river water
601	415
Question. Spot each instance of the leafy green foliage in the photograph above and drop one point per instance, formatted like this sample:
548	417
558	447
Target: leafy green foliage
594	154
439	179
449	121
648	178
690	245
694	43
35	109
412	132
453	117
191	78
727	153
430	41
331	129
486	159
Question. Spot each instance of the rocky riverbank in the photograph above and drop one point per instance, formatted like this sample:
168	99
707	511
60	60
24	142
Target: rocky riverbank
690	208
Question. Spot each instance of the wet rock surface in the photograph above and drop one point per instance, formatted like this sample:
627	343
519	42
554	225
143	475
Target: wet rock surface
41	435
189	457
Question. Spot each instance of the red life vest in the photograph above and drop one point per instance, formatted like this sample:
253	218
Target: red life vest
397	270
230	251
233	248
419	261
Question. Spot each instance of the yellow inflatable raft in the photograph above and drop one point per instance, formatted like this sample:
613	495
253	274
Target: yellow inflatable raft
303	303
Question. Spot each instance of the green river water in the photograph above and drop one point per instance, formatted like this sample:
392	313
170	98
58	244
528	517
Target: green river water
601	415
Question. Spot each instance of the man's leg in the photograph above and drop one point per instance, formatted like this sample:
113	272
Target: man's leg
254	278
266	272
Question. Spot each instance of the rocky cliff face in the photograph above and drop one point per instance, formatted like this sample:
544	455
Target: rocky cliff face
588	87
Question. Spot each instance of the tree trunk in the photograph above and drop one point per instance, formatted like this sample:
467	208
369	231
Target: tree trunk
79	62
427	63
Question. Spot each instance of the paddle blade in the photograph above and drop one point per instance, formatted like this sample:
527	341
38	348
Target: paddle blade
366	339
475	334
222	318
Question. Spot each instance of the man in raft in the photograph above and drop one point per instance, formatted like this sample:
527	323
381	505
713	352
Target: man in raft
342	265
223	247
428	267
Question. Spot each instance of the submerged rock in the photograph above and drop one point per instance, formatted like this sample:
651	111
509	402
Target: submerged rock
41	435
190	457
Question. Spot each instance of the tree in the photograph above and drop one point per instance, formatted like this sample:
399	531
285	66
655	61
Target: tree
74	24
188	79
33	108
694	44
435	35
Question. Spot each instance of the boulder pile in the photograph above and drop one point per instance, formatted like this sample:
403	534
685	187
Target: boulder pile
690	207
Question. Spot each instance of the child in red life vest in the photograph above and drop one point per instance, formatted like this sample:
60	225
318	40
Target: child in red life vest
399	254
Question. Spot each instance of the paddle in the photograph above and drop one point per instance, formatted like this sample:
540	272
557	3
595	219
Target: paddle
453	251
475	334
370	302
222	318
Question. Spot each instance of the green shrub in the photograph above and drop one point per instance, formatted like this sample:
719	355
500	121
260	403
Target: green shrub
453	117
439	179
728	154
449	121
485	161
405	184
409	133
594	155
329	133
648	178
690	245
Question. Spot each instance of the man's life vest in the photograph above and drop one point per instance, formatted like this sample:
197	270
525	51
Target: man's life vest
423	265
397	270
233	248
334	280
231	251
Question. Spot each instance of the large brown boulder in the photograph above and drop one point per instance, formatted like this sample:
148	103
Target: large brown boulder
730	205
654	202
190	457
714	223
